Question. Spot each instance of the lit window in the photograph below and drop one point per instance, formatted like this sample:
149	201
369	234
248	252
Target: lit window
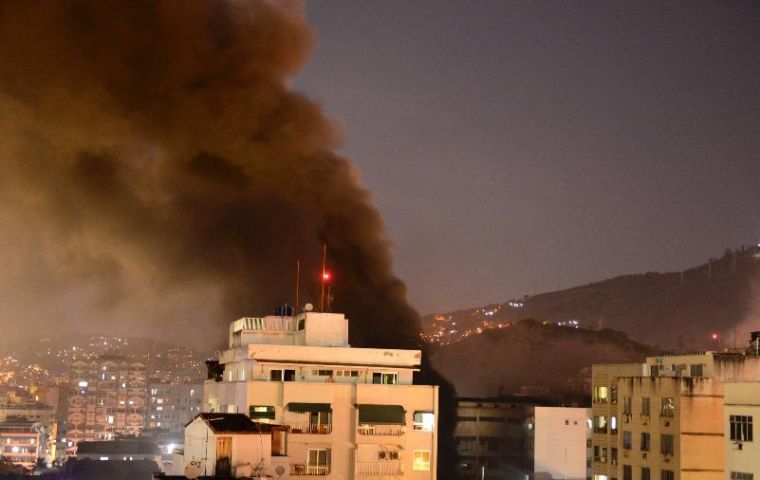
600	394
104	458
82	383
110	419
421	460
424	421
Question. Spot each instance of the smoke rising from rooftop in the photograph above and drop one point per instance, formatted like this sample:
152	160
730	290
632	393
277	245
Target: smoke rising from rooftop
157	174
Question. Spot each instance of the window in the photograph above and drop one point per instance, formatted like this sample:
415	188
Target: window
275	375
613	424
302	325
697	370
613	395
613	456
385	378
600	424
741	428
600	394
421	460
261	412
668	407
666	444
289	375
424	421
626	405
645	406
325	373
627	472
741	476
645	473
645	441
319	461
627	442
667	475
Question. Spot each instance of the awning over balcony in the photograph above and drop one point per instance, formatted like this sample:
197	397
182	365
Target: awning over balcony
309	407
381	414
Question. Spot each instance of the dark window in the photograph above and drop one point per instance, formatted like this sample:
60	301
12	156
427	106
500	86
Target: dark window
697	370
666	444
741	476
627	472
667	475
325	373
289	375
627	441
645	441
645	406
302	324
275	375
741	428
627	405
645	473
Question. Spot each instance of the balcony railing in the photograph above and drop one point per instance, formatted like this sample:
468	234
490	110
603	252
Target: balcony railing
302	469
378	469
389	430
312	428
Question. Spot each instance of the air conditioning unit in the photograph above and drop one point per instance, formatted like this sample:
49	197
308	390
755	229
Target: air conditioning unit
736	446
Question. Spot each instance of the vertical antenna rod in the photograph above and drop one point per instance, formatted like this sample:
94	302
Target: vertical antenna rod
298	287
323	279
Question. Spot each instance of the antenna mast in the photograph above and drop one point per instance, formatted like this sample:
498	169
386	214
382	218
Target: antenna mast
323	279
298	287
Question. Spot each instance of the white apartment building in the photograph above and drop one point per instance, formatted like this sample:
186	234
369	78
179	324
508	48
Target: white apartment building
172	405
560	443
741	408
349	413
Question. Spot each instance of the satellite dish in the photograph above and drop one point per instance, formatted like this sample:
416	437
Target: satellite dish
308	307
279	470
193	470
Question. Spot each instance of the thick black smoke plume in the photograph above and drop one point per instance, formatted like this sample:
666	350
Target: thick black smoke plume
158	173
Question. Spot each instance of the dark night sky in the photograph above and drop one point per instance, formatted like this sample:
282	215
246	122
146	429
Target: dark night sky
519	147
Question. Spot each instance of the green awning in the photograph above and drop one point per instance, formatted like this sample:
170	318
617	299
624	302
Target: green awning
381	414
309	407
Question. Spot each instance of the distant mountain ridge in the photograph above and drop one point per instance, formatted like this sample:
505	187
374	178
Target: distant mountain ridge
675	310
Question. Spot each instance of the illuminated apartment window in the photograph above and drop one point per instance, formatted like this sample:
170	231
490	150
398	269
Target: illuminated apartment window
600	394
421	460
741	428
613	424
385	378
424	421
600	424
668	407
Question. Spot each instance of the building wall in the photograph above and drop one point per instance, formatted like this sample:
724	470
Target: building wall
247	449
742	398
560	436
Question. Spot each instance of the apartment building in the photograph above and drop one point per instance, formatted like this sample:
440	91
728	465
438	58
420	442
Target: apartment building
742	407
22	443
493	437
107	398
561	438
664	418
348	412
172	405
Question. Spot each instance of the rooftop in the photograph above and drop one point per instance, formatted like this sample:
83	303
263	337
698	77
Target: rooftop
136	446
232	423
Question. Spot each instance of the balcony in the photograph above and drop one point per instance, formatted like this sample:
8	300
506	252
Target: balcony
387	430
379	469
311	429
306	470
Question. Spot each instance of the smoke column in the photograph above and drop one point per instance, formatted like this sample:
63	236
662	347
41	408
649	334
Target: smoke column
158	175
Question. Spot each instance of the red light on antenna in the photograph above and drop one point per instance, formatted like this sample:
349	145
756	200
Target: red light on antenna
714	336
326	276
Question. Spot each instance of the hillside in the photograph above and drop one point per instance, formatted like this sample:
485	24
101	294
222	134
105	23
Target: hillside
673	310
531	354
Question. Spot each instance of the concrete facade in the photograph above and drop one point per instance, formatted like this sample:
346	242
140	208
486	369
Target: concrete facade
349	413
664	418
742	409
560	441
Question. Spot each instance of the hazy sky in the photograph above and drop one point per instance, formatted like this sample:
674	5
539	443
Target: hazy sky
517	147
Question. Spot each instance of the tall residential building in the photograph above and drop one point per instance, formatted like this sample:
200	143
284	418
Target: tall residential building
348	412
107	399
22	442
664	419
172	405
